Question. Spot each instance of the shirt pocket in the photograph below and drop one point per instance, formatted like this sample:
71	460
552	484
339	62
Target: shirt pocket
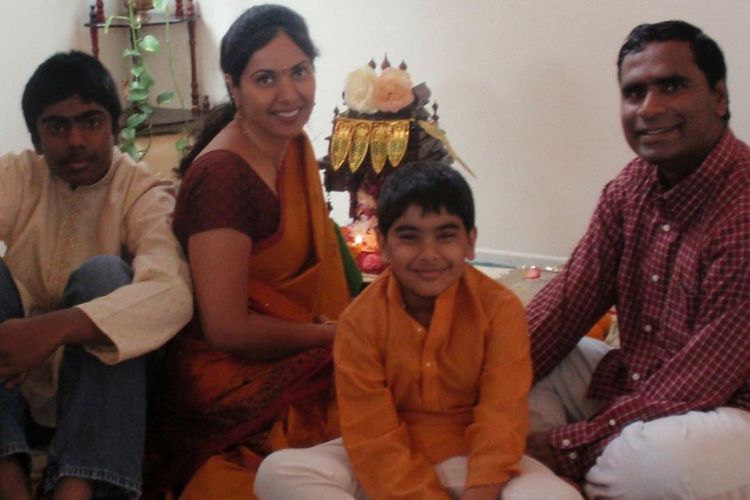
680	311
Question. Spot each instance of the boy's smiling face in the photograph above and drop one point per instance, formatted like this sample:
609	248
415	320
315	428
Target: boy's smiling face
427	252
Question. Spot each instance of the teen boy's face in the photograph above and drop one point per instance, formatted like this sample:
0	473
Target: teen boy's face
427	252
76	139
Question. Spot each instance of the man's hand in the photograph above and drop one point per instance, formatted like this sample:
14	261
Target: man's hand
15	381
537	446
24	344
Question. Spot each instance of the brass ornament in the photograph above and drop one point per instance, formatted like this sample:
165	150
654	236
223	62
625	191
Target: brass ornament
341	141
385	140
379	140
398	141
360	142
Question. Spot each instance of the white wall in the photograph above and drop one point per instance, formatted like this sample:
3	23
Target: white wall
527	88
527	92
31	32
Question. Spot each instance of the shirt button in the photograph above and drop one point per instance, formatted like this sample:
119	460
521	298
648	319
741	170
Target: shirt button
666	228
612	422
566	442
572	455
428	364
647	328
654	278
636	376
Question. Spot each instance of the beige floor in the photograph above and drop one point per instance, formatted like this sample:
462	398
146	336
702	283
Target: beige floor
162	157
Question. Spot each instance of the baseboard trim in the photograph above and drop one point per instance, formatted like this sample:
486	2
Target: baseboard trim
517	259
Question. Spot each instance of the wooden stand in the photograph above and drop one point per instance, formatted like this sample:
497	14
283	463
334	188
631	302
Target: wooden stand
184	14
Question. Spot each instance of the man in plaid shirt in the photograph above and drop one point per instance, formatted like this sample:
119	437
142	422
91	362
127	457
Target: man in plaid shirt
667	415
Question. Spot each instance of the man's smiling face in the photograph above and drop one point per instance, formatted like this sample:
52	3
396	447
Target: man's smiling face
670	115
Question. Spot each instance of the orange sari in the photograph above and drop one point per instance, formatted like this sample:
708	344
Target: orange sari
220	414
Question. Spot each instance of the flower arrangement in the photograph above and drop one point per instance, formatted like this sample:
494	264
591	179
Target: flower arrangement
389	92
386	125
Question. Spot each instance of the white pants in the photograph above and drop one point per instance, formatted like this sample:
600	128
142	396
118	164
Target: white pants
697	455
324	472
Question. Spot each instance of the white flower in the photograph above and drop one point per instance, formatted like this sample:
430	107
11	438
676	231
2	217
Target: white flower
358	90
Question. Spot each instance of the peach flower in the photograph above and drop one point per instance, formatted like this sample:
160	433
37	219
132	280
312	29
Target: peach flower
358	90
392	90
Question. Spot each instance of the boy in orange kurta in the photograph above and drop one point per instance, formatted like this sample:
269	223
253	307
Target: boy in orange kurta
432	369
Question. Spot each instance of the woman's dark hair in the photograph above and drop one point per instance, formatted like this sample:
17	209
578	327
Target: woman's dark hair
65	75
430	185
706	52
250	32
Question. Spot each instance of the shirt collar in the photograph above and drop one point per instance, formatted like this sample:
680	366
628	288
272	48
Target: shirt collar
686	198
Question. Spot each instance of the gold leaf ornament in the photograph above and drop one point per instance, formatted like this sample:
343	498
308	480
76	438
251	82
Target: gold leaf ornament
398	141
360	142
341	142
379	145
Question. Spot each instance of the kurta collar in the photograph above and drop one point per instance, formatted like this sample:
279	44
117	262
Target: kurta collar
395	297
117	158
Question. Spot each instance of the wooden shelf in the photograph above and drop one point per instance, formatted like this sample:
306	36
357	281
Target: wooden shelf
183	14
150	19
170	120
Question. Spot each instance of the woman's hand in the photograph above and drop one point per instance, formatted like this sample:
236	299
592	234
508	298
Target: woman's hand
219	262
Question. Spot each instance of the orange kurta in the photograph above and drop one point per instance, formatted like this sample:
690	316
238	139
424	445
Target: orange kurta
221	414
410	397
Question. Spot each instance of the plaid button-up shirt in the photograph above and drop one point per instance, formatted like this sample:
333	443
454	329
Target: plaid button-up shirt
676	264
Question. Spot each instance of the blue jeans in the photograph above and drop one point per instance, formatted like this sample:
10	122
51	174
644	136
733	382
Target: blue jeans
101	409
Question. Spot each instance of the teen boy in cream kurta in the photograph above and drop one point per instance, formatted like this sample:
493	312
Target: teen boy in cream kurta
92	279
50	229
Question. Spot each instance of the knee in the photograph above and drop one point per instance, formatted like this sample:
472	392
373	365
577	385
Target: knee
109	269
96	277
274	471
318	472
637	465
536	481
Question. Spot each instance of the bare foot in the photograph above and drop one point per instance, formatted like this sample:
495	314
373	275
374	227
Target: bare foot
73	488
14	482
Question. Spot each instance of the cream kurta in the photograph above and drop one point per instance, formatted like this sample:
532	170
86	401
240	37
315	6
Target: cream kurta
50	229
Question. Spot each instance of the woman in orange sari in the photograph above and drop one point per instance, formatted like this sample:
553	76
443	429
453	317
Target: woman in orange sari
252	371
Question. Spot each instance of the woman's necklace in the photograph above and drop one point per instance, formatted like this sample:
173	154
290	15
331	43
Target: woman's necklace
254	142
